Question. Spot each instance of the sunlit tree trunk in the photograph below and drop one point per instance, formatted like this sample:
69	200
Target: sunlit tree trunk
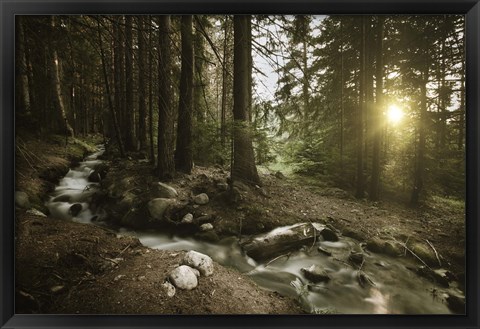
150	93
376	114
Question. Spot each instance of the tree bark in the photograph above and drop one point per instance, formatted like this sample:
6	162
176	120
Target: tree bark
184	151
130	109
165	161
113	113
243	156
58	97
142	110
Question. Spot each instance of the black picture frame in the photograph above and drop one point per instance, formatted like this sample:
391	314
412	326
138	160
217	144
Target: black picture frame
10	8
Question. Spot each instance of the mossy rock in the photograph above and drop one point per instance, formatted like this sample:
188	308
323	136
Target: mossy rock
392	248
376	245
425	253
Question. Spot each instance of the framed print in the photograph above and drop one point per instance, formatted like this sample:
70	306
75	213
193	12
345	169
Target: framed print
240	164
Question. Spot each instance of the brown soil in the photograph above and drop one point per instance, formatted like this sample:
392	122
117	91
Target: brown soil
64	267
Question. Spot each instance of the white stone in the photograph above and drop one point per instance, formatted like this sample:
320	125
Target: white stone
36	212
183	277
201	262
187	219
206	227
169	288
201	199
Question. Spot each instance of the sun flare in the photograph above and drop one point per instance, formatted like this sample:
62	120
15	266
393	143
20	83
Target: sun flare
394	114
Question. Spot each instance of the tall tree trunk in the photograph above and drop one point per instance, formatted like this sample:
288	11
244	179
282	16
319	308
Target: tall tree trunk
243	156
130	123
58	95
113	113
419	175
342	103
22	66
184	151
226	57
142	111
165	161
150	94
376	114
119	70
360	191
461	120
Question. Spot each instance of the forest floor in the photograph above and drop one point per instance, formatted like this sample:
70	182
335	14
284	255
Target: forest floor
66	267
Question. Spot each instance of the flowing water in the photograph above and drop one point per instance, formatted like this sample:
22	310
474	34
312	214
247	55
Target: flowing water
395	289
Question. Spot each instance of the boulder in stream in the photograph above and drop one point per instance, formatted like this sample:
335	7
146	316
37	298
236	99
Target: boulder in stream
315	274
329	235
206	227
456	304
183	277
281	240
75	209
201	262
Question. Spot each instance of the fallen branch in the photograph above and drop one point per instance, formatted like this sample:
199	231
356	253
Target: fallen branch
435	251
278	257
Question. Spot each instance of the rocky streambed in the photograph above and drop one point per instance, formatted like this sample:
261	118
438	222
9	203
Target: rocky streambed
314	263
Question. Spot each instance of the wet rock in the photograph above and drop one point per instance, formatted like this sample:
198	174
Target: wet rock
165	191
36	212
353	234
183	277
201	199
98	173
456	304
324	251
209	236
187	219
206	227
158	206
356	258
21	199
201	262
329	235
169	289
75	209
281	240
315	274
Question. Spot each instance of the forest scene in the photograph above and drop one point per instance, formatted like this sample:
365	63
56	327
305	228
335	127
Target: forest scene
240	164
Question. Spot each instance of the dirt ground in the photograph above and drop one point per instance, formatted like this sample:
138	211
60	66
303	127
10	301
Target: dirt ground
66	267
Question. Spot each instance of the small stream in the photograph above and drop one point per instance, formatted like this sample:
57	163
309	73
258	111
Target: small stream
396	289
